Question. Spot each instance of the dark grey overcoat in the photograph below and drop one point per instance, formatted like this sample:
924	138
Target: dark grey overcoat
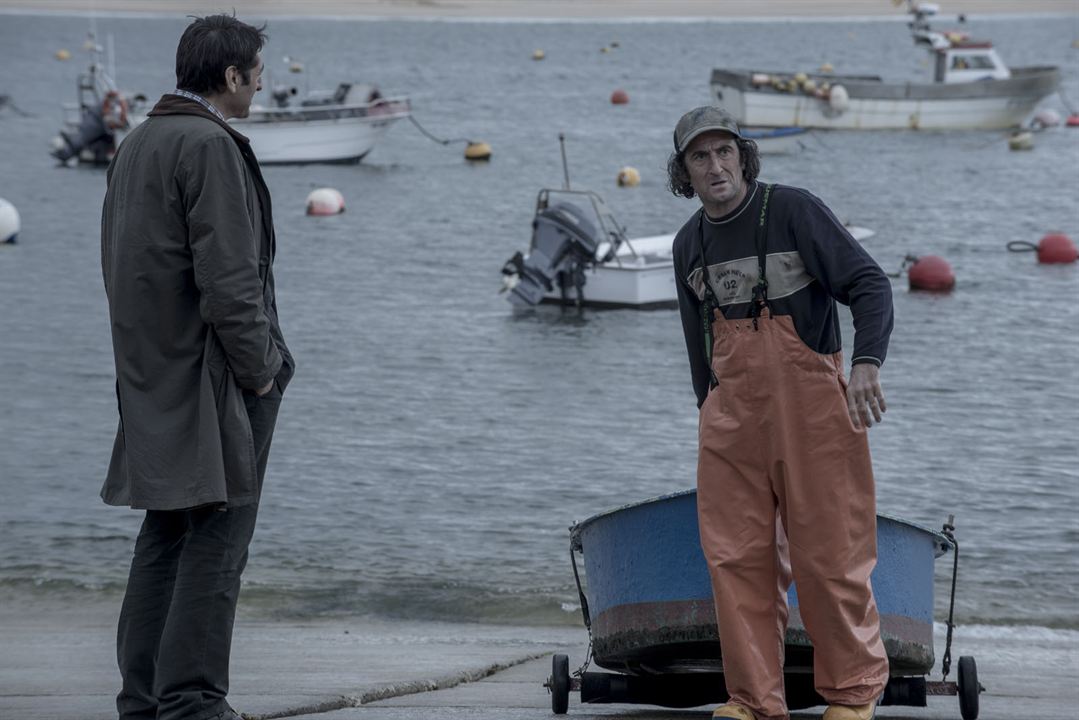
187	248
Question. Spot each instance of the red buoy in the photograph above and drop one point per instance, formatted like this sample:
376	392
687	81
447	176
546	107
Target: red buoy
1057	248
1073	120
931	273
619	97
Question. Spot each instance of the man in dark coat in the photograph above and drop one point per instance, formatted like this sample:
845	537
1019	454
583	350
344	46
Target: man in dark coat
187	247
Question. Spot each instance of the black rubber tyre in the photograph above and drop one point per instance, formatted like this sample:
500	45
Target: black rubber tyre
968	688
559	684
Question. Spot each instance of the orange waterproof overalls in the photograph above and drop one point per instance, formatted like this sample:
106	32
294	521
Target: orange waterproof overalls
781	464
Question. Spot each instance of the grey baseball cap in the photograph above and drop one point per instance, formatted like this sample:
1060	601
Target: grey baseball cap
701	120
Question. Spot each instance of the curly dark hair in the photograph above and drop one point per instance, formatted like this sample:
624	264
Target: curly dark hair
678	176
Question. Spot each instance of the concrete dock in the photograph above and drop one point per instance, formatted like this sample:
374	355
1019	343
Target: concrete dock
61	666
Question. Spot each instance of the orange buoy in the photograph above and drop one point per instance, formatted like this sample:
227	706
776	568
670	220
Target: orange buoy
1073	120
931	272
619	97
1057	248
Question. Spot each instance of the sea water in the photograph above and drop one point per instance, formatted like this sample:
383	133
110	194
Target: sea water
435	444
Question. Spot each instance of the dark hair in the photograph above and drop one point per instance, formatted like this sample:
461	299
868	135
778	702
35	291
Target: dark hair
678	176
209	46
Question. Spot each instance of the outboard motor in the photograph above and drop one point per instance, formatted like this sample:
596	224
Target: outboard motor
91	133
564	243
281	95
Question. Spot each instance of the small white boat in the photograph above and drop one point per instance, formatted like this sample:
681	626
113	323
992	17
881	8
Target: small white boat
339	126
972	88
580	256
342	127
100	118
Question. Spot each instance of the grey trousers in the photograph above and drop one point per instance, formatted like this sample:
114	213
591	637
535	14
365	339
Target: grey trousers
175	632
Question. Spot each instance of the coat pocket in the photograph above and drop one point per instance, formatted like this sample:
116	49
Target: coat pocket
234	425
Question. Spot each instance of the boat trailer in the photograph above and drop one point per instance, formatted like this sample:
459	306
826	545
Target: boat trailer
651	618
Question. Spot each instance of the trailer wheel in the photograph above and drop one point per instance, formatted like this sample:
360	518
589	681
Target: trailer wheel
559	684
968	688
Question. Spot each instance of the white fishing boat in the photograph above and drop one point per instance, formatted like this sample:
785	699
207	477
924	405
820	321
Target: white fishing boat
972	88
338	126
101	116
580	256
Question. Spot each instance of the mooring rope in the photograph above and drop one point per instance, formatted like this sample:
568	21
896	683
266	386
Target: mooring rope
6	101
907	262
1021	246
438	140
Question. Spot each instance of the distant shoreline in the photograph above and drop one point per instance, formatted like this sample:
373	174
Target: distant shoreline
538	9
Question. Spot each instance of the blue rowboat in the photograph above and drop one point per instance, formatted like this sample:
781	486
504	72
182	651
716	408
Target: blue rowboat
775	140
648	607
649	596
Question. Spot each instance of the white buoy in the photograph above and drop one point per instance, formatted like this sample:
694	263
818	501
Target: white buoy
1022	140
838	98
1045	118
9	222
325	201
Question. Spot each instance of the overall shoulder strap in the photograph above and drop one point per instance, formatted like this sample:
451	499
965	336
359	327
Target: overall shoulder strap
760	290
708	306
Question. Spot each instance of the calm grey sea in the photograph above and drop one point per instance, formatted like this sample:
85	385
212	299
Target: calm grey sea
436	445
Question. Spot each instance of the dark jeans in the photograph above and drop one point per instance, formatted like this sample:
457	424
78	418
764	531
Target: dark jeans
175	630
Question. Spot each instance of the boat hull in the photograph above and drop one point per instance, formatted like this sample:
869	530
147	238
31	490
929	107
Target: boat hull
875	105
650	595
330	139
641	278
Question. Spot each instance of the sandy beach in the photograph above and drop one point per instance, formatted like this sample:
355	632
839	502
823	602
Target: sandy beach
540	9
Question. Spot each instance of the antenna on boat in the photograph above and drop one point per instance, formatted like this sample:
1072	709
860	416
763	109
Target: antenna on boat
111	57
565	167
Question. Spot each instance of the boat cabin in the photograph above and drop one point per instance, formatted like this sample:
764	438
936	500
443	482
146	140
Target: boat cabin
968	61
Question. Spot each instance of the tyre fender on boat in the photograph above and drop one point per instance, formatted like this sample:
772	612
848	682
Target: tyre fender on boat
838	98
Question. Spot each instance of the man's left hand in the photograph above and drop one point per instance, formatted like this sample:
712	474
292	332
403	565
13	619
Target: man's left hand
864	395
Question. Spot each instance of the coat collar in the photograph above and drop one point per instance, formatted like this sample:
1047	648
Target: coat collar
170	104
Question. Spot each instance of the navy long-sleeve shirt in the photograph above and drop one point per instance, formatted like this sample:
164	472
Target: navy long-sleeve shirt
812	263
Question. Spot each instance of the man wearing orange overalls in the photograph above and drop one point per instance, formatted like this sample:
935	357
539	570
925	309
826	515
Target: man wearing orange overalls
784	479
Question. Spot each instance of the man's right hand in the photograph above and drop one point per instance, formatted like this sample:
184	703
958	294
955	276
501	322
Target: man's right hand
265	389
864	395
